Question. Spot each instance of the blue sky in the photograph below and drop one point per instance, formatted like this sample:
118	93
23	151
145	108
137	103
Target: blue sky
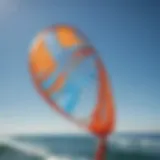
126	34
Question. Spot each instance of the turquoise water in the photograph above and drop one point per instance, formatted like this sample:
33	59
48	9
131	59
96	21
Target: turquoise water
72	147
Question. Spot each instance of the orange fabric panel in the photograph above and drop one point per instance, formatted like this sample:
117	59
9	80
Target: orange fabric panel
42	60
103	116
67	37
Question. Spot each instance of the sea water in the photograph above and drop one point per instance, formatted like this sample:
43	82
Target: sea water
80	147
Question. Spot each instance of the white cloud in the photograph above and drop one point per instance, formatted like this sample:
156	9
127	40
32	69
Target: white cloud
65	127
131	126
33	127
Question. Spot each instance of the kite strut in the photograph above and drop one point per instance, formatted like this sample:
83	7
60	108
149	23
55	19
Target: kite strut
100	154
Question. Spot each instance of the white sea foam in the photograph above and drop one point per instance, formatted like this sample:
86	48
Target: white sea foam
26	148
32	150
57	158
145	145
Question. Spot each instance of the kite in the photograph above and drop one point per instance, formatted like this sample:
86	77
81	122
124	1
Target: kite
69	75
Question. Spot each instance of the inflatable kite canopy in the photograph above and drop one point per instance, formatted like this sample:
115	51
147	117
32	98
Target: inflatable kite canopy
69	75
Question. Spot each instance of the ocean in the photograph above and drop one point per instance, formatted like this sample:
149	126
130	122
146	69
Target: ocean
79	147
